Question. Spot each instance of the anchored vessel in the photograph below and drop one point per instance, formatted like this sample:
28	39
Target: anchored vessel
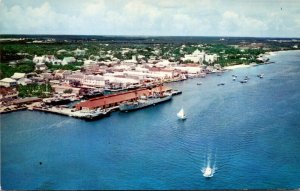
144	102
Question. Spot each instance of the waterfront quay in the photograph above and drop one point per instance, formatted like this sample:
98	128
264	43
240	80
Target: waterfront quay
100	86
115	99
94	108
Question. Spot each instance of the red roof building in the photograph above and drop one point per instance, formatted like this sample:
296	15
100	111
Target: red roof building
116	99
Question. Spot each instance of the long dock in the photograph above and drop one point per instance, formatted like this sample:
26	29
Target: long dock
9	110
72	113
92	113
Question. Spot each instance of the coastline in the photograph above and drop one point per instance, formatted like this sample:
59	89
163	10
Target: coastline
100	144
266	54
237	66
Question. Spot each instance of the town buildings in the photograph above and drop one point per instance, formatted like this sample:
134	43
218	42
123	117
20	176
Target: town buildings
8	82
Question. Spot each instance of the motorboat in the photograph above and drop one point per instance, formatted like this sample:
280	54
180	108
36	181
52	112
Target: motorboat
260	75
208	172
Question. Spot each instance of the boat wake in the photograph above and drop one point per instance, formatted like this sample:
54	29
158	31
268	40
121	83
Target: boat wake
209	167
59	124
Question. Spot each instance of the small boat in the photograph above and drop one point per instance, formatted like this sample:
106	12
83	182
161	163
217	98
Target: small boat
221	84
200	83
208	172
244	81
260	75
181	114
176	92
234	78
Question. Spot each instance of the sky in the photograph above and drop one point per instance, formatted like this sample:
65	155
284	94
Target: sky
256	18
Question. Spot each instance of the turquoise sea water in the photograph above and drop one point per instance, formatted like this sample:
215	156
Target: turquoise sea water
251	132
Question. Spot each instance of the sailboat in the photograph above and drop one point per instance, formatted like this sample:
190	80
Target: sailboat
181	114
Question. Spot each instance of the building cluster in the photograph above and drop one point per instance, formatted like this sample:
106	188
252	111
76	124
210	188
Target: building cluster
200	57
112	75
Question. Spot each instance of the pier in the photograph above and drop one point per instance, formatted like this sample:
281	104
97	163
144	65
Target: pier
91	109
87	115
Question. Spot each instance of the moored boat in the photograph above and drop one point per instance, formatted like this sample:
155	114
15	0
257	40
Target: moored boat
93	93
57	101
144	102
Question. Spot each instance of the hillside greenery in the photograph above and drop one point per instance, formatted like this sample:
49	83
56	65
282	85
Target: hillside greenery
34	90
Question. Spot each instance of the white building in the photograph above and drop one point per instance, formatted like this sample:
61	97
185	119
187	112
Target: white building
8	82
62	74
94	80
146	75
46	59
41	66
24	81
189	70
68	60
121	80
75	77
60	89
79	52
18	76
196	57
165	63
89	62
87	80
61	51
39	59
211	58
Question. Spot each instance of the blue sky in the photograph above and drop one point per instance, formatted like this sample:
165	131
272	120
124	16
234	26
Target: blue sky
259	18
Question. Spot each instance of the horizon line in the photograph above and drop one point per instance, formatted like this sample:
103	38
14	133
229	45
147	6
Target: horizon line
145	36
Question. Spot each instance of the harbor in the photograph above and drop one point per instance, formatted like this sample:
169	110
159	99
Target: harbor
96	104
94	108
236	128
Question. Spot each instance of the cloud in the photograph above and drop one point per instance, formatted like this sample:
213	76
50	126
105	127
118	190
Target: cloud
151	17
93	8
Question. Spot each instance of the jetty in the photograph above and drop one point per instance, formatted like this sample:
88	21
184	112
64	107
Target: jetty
81	114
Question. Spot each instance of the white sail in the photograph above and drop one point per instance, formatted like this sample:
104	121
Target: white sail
181	114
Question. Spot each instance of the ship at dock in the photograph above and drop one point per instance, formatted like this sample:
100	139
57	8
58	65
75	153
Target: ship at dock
94	114
144	101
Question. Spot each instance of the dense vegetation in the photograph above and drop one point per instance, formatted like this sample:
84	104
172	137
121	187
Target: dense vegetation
71	66
7	70
34	90
231	51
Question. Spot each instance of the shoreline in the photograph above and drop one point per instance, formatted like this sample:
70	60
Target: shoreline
237	66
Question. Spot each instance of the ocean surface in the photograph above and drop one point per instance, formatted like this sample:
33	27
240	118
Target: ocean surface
250	134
